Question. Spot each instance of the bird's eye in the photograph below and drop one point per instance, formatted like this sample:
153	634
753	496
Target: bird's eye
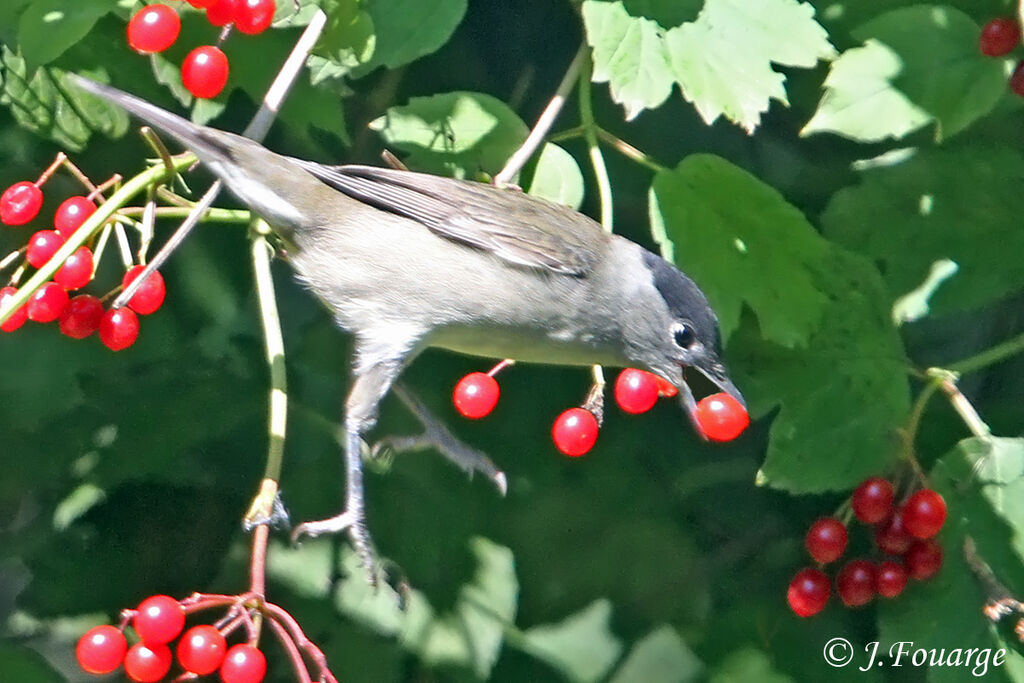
683	335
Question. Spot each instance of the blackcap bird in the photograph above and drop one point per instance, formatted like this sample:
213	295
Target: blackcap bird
406	261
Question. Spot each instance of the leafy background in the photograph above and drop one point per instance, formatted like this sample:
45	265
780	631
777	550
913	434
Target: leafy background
809	163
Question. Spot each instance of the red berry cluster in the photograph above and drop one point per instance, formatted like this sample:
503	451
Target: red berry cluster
719	416
84	314
160	619
204	73
999	37
906	532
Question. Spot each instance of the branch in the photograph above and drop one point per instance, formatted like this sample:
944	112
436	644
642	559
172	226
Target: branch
547	118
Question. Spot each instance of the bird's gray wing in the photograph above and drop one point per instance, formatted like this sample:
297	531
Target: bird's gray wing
511	225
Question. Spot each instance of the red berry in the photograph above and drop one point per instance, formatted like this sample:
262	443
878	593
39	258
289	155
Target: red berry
222	12
872	500
923	560
119	328
891	535
147	663
77	270
636	391
666	388
20	203
201	4
41	246
201	650
808	592
154	28
890	579
475	395
204	73
924	513
1017	79
254	16
575	432
243	664
17	318
999	37
826	540
101	650
856	583
721	417
159	618
73	211
151	294
47	304
82	317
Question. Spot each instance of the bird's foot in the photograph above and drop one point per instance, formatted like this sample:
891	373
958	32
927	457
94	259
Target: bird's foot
353	524
436	436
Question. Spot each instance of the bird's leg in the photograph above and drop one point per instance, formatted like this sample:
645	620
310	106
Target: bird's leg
437	436
360	415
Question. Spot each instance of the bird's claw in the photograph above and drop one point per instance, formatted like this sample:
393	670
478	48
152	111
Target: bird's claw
354	526
436	436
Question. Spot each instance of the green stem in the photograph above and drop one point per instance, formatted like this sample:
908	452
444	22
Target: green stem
274	346
214	215
92	225
991	356
629	151
604	186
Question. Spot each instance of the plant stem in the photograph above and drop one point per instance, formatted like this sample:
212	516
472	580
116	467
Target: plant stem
91	225
947	382
214	215
547	118
604	186
996	354
629	151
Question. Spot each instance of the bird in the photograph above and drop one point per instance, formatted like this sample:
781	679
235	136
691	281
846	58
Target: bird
404	261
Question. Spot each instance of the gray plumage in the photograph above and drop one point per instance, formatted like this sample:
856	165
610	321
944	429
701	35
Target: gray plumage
405	261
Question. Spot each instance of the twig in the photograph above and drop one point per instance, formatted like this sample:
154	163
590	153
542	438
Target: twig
256	130
547	118
991	356
629	151
604	186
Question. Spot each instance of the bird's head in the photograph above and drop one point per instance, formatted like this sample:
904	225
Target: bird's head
678	330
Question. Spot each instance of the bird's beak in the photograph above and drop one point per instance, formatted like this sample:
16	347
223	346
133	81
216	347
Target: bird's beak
716	373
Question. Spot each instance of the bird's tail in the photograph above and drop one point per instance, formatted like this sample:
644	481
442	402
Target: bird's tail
203	141
272	185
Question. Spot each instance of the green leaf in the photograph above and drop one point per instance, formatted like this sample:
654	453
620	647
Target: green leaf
748	664
629	54
52	108
844	395
409	29
348	41
723	226
861	103
918	64
10	10
557	177
469	635
49	27
960	204
582	647
723	61
459	134
19	663
985	506
659	657
943	71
